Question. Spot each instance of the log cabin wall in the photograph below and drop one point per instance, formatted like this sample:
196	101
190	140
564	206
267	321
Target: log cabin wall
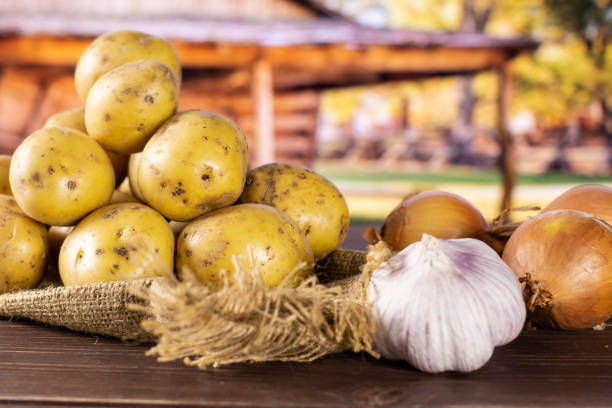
30	95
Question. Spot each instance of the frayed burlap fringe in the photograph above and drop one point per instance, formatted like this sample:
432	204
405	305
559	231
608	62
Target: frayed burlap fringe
103	308
247	321
100	308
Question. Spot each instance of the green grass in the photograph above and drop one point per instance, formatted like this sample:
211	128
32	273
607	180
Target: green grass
461	176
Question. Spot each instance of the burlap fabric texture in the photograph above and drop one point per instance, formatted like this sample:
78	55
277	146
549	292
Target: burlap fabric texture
245	321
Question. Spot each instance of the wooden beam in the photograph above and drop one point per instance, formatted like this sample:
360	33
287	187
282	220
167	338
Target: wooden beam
242	103
65	51
263	99
507	164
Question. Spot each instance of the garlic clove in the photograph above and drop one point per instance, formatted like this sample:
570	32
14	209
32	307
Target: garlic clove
444	305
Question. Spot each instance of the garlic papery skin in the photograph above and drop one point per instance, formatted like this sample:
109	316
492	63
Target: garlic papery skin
444	305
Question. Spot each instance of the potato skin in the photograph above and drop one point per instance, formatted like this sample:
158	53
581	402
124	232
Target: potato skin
75	119
58	175
127	105
70	118
206	246
5	185
111	50
133	163
23	247
195	163
124	241
311	200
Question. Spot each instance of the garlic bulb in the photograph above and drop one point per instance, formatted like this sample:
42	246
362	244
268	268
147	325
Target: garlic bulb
444	305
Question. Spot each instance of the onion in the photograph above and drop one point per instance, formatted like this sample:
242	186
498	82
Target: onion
590	198
437	213
564	260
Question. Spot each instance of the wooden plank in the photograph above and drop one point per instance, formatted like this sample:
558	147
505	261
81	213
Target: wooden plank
45	366
65	51
263	99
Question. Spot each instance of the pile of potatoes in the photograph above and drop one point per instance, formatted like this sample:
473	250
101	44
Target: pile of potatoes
189	203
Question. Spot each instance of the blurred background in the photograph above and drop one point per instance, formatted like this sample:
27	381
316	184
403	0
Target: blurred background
505	102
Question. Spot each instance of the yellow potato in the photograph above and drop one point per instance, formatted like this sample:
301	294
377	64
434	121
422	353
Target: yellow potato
133	163
58	175
122	197
5	185
127	105
195	163
70	118
23	247
75	119
56	236
311	200
111	50
124	241
124	187
277	246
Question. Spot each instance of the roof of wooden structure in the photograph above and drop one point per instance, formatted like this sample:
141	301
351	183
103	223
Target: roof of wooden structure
291	34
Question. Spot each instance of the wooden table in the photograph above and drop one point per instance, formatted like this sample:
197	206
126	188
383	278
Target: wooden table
53	367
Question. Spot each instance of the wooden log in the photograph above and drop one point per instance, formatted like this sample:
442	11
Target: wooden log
294	144
9	141
304	123
20	90
242	104
60	95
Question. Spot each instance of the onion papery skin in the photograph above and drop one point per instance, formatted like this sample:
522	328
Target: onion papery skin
444	305
568	256
437	213
594	199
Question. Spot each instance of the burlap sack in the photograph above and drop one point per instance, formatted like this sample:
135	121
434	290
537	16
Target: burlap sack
112	309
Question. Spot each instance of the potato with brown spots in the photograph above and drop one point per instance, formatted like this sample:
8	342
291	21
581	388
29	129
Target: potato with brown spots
259	236
5	185
195	163
127	105
58	175
75	119
311	200
124	241
23	247
111	50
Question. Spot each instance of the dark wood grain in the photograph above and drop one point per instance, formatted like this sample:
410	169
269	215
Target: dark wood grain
53	367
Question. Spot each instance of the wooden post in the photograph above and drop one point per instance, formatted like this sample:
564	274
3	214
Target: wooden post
507	163
263	99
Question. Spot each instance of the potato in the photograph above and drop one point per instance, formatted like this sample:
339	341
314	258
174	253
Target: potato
206	246
58	175
70	118
23	247
75	119
311	200
124	187
111	50
195	163
56	236
122	197
124	241
126	105
133	163
5	185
